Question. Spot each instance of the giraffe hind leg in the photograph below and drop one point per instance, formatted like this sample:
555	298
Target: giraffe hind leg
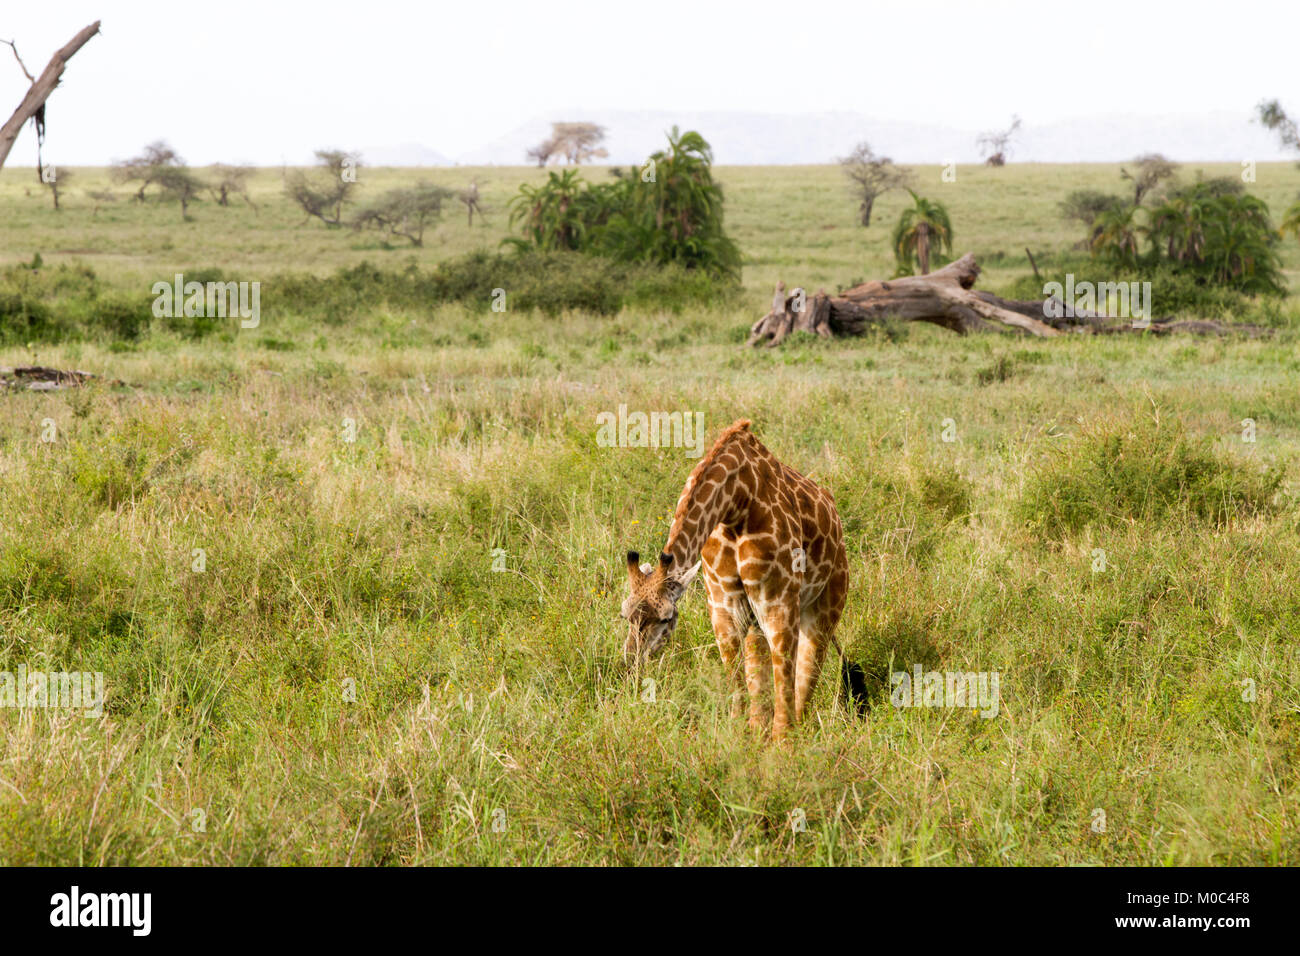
808	667
758	672
816	629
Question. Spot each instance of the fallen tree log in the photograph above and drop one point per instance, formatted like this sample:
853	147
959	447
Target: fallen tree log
38	378
947	298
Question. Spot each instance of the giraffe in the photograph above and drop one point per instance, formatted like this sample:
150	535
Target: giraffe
772	550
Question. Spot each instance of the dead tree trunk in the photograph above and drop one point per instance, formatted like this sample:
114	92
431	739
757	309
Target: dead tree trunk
33	104
946	298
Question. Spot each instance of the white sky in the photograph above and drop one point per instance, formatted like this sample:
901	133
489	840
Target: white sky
268	82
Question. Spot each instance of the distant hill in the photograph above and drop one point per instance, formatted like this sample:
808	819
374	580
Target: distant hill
405	154
784	138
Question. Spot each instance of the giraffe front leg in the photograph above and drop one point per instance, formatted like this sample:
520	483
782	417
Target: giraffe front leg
730	615
727	632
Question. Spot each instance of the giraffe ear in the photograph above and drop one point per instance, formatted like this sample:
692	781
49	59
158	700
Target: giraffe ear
685	578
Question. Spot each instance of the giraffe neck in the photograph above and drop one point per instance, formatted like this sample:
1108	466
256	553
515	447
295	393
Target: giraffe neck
716	492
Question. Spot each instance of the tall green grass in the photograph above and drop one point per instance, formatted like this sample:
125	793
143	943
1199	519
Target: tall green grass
1157	684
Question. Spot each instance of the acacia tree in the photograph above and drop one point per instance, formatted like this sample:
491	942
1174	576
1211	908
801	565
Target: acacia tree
405	212
180	183
1149	171
541	153
996	145
228	181
56	179
101	197
323	193
872	175
469	196
1272	116
146	169
575	143
1086	206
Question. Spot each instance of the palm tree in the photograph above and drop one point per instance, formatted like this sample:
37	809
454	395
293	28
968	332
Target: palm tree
1179	223
1290	222
551	213
674	211
1117	235
920	225
1240	246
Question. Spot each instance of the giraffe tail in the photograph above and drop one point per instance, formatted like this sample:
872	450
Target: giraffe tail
853	682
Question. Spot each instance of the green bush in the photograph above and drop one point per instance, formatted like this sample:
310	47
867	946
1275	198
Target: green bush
1142	468
1002	369
35	301
47	305
122	318
24	319
1173	293
550	282
69	304
945	491
553	282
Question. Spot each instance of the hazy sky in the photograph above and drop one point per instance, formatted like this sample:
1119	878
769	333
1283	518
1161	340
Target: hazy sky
266	82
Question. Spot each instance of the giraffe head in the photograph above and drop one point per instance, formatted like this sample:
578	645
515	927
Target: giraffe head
651	608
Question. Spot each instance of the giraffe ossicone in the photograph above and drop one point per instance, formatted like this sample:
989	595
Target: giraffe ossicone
770	544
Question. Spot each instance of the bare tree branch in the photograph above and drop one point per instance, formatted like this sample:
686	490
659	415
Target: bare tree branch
33	103
21	65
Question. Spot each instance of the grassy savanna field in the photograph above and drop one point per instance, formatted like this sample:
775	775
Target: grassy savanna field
1157	696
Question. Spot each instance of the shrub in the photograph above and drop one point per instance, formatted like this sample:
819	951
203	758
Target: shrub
24	319
121	317
945	491
550	282
1142	468
1002	369
44	304
1173	293
1085	205
68	303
